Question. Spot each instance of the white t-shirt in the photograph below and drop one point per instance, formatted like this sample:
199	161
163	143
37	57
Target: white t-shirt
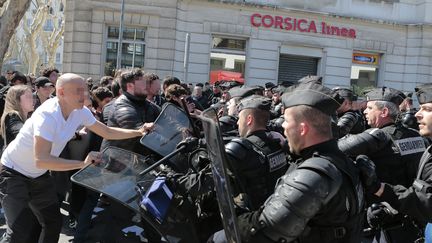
47	122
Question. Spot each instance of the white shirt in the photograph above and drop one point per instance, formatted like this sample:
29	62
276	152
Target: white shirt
47	122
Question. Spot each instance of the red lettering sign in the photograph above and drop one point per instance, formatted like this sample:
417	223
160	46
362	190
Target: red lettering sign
257	22
301	25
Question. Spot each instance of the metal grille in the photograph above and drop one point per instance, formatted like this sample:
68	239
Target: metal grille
292	68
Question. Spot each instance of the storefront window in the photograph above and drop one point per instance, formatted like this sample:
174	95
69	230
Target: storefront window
364	71
133	48
227	59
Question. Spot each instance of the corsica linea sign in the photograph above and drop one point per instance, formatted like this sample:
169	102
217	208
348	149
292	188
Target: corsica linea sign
300	25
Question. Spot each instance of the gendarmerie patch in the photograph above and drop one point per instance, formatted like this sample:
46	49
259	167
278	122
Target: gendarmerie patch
410	145
276	160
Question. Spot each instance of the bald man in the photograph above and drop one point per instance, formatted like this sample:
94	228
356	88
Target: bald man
24	178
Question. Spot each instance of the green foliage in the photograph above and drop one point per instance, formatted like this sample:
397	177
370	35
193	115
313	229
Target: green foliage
360	90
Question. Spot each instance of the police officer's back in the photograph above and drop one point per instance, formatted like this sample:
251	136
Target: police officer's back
256	159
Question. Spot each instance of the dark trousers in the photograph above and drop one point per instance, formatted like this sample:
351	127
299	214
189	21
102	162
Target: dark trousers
407	233
20	193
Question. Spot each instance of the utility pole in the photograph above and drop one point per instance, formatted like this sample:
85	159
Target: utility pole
120	40
186	58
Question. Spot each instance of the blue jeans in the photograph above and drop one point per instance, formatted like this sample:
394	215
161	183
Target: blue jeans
428	233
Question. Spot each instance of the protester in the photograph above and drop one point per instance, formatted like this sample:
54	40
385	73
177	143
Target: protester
131	110
153	92
18	105
198	96
44	89
51	73
24	178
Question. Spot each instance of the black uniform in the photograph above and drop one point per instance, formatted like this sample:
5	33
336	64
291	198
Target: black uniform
395	151
409	120
395	155
350	122
413	203
257	162
415	200
318	200
276	125
276	110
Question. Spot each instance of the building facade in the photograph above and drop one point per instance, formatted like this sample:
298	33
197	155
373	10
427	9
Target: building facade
359	43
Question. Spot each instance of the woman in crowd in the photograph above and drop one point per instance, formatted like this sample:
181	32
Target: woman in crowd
18	105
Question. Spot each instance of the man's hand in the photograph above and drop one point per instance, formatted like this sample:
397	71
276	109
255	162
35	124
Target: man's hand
146	128
380	215
92	158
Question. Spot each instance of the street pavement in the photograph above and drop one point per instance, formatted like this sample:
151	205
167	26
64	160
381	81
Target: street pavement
66	235
109	225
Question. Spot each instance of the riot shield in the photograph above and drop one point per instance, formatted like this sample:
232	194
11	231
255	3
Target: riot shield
217	156
118	175
171	127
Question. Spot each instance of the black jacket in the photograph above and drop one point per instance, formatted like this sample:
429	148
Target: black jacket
130	112
13	125
319	199
416	200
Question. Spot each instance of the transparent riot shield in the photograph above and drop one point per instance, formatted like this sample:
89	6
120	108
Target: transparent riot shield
171	127
217	156
118	175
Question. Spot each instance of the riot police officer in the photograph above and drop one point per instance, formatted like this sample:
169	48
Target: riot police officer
349	121
229	120
399	149
407	116
415	200
396	155
320	198
276	108
256	159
